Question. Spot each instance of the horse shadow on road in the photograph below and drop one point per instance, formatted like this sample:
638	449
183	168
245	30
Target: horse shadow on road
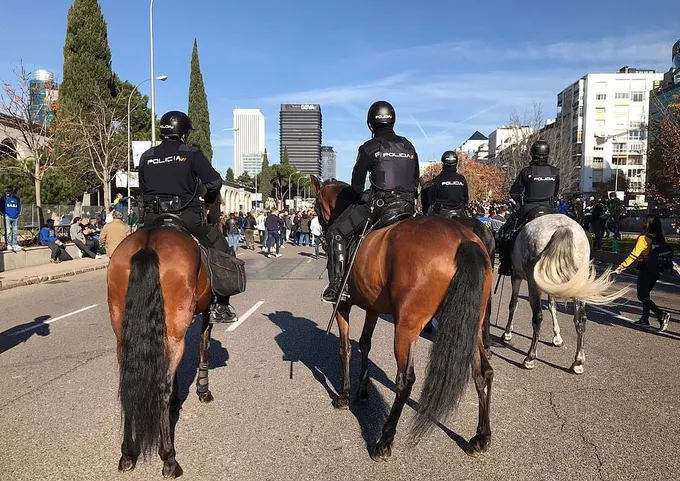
301	340
16	335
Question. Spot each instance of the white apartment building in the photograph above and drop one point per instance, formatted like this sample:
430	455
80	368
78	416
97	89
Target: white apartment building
477	146
248	141
504	137
604	123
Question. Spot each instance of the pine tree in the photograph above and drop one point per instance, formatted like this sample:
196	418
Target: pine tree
87	70
230	174
285	160
265	185
198	107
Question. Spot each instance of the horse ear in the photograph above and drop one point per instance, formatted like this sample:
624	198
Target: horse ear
316	183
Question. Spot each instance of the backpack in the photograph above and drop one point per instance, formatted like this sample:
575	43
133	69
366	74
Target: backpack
660	259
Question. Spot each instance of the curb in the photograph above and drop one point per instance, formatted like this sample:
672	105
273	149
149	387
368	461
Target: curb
27	281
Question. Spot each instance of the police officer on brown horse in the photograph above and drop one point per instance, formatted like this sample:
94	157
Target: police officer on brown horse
448	195
174	178
535	189
392	162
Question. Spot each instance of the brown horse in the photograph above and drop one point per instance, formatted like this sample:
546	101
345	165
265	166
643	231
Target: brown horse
414	270
156	284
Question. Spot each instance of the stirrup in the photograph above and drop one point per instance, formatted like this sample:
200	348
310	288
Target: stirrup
343	296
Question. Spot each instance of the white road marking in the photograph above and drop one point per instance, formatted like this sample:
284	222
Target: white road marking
55	319
611	313
245	316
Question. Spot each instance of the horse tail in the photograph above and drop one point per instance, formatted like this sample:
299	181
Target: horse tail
456	339
143	363
558	274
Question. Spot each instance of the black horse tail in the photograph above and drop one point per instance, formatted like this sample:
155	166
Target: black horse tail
455	341
143	363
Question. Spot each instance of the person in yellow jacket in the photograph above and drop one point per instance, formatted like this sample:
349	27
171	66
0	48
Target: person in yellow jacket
647	278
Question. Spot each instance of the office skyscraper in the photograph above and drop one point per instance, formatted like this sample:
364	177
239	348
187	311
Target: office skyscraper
44	93
329	159
248	141
300	134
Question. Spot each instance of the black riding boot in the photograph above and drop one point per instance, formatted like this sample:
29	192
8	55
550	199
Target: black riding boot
505	246
336	269
221	312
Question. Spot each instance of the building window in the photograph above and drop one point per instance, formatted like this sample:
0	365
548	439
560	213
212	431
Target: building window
600	110
621	95
634	135
598	163
638	96
579	136
597	176
598	147
634	124
635	147
619	147
601	97
618	160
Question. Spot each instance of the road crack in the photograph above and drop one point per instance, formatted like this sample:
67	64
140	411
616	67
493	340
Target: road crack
596	451
553	406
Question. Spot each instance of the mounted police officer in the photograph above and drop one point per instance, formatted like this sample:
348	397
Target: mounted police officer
393	164
175	178
448	195
535	189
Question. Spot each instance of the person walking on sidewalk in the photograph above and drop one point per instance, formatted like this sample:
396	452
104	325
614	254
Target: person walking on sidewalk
317	234
10	208
250	225
273	226
649	251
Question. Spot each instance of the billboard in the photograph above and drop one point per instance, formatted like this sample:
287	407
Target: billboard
138	148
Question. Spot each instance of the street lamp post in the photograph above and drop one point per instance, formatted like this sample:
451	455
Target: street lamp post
297	188
290	191
153	77
162	78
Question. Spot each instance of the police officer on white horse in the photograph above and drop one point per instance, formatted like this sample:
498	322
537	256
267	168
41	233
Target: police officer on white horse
535	189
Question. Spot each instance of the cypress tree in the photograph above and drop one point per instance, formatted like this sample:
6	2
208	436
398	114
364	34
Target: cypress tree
265	185
198	107
285	160
230	174
87	58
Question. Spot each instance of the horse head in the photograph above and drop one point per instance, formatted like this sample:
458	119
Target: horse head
332	198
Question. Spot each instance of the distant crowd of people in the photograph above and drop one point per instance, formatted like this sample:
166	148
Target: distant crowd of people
273	228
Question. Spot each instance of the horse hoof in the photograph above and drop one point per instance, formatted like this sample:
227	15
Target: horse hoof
205	397
382	452
507	336
577	368
557	341
341	403
126	464
529	364
478	445
172	470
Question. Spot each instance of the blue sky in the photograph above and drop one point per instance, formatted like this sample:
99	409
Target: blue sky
448	68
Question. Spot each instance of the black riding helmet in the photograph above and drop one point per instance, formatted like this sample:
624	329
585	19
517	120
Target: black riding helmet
450	159
175	124
380	113
540	150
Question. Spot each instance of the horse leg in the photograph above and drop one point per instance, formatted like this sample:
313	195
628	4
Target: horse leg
130	448
202	385
536	320
483	376
365	348
552	306
345	353
166	448
404	344
487	330
580	318
514	296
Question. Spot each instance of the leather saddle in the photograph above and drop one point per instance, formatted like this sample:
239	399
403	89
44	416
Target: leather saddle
397	211
535	213
171	220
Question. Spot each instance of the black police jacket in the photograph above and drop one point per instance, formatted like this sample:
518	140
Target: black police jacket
449	191
536	183
392	162
175	169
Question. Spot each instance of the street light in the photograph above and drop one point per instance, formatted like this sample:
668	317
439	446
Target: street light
162	78
290	191
153	78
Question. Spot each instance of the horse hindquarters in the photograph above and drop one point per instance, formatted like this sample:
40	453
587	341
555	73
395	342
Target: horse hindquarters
451	356
142	358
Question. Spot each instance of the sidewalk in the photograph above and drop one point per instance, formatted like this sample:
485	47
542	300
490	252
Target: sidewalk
48	272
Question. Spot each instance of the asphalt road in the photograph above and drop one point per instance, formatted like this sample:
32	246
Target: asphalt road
274	375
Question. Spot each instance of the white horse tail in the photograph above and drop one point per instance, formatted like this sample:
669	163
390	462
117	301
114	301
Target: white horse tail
558	274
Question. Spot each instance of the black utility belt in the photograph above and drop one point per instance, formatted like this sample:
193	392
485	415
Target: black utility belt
159	206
